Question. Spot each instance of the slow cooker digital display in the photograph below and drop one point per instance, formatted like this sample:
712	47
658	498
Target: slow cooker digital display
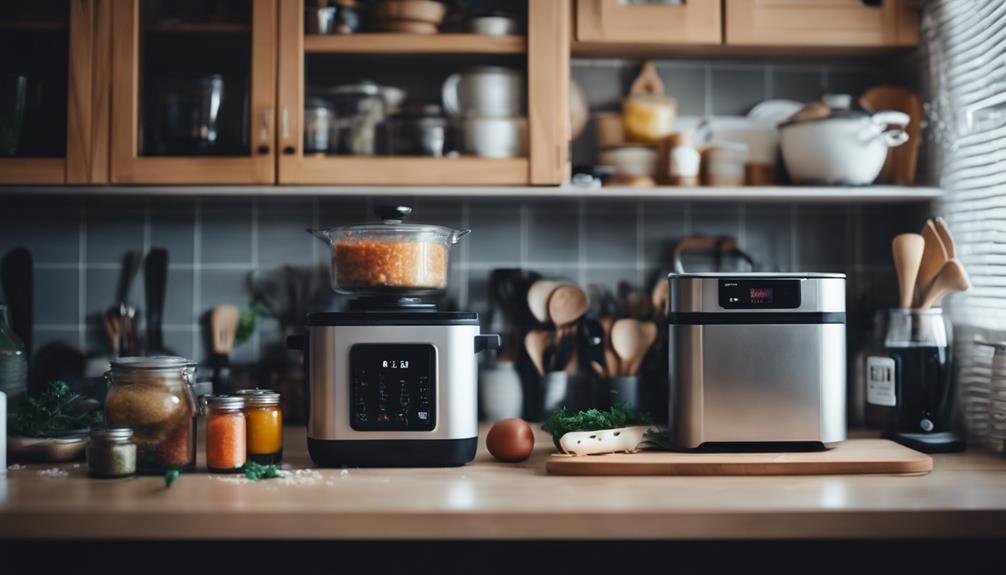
393	387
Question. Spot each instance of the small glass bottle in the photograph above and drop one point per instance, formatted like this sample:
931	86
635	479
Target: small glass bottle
265	425
111	453
226	443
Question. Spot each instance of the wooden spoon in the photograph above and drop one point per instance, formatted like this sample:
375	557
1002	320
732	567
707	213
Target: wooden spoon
946	237
113	330
951	278
536	342
566	305
537	298
631	339
224	325
907	250
933	257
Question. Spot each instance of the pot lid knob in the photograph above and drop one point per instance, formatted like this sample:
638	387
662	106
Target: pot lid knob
393	213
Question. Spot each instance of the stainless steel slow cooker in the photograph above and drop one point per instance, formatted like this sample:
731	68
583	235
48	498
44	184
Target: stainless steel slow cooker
392	379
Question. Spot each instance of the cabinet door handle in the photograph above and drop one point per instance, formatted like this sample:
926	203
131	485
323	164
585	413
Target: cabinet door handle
263	134
285	123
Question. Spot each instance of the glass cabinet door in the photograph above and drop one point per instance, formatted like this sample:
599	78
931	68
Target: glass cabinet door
45	90
194	91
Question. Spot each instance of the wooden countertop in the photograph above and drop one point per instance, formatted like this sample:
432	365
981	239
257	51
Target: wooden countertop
965	496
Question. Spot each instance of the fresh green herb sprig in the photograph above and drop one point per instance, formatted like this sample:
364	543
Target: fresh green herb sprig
255	471
52	412
248	321
562	421
170	476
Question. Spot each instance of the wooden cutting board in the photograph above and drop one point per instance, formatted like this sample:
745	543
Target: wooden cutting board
854	456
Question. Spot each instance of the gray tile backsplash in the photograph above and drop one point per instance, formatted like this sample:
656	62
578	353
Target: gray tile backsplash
216	242
588	241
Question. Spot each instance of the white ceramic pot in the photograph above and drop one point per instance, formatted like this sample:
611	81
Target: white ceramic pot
637	161
494	137
487	92
846	150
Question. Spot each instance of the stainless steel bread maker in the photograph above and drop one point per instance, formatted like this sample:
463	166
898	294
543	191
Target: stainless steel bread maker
757	360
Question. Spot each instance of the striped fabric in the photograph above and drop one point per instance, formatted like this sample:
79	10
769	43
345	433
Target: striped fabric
966	43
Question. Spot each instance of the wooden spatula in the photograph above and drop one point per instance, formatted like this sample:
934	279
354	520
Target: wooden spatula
933	257
951	278
907	250
536	342
945	236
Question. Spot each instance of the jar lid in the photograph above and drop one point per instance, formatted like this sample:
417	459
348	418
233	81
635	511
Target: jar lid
111	433
224	401
259	396
153	362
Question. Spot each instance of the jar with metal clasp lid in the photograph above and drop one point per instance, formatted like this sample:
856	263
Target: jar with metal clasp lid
153	397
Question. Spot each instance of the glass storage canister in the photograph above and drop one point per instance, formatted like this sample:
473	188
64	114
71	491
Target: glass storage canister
152	395
264	420
226	443
390	257
111	453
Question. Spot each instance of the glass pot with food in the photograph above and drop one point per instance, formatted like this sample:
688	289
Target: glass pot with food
391	257
152	395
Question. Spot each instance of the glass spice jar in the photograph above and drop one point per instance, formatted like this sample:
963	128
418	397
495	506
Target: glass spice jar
111	453
226	442
265	425
153	397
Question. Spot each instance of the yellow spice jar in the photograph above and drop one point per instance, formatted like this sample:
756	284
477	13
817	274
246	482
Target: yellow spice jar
264	425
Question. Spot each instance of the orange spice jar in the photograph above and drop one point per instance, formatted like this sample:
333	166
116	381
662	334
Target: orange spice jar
226	443
265	425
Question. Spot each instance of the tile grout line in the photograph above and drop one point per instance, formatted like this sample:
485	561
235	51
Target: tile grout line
581	239
742	228
256	339
81	278
463	288
197	276
794	250
640	244
524	224
707	88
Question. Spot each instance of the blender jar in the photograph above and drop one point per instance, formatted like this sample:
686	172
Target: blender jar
919	364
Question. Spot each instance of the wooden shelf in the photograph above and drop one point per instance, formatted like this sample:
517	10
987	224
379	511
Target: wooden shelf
419	169
413	44
634	50
34	25
197	28
405	172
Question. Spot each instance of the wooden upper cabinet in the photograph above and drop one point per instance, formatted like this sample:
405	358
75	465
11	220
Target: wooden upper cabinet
690	22
339	76
821	23
194	92
53	92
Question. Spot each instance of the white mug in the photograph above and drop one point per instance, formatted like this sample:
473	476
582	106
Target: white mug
494	137
487	91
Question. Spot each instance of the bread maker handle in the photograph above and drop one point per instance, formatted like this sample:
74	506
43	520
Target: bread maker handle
487	341
295	342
